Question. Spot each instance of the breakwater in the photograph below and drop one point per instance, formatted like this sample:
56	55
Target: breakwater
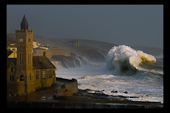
68	88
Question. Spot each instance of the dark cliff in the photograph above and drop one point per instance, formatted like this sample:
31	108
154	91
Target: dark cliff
91	54
89	50
70	61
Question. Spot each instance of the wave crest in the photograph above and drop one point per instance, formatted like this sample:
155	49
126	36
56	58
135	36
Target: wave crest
123	58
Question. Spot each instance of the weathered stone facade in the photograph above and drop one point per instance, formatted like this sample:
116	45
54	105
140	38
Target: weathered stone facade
24	73
69	88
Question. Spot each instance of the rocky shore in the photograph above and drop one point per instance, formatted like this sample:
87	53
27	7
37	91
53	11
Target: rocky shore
100	98
83	99
70	61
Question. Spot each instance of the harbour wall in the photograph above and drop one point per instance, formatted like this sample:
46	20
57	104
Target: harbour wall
51	51
69	87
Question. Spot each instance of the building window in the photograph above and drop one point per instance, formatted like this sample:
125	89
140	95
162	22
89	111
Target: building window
28	59
12	77
30	76
44	74
11	69
20	58
51	73
47	74
37	74
21	77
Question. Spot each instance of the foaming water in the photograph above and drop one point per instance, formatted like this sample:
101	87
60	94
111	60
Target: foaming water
139	77
125	59
146	86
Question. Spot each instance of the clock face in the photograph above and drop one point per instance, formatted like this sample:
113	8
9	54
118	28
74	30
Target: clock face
21	40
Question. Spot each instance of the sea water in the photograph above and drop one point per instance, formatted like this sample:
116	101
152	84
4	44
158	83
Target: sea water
126	69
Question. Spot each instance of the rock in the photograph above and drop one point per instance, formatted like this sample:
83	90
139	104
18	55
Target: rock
67	61
99	92
125	92
91	54
114	91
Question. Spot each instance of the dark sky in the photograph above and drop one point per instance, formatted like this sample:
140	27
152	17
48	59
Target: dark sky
118	24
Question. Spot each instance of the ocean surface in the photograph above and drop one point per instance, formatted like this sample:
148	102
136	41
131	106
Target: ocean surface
126	69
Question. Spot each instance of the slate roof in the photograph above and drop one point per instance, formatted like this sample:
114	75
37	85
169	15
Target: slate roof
42	62
39	62
24	23
9	52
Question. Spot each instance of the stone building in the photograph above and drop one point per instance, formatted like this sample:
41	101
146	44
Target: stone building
74	43
26	73
51	51
11	47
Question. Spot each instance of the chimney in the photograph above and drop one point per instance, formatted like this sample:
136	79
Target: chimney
44	53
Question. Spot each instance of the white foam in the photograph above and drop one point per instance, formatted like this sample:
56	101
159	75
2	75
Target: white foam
124	58
100	78
97	77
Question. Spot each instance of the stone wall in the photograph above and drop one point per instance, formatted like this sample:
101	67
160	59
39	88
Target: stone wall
16	87
47	82
59	51
52	51
68	88
44	82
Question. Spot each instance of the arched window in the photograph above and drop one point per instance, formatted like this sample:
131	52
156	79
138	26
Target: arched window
12	77
21	77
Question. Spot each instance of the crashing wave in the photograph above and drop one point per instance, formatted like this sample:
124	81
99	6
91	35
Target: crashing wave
123	58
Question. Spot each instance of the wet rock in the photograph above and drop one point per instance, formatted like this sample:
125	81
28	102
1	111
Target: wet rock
114	91
99	92
67	61
125	92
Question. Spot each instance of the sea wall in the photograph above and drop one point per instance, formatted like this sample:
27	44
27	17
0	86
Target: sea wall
69	88
59	51
51	51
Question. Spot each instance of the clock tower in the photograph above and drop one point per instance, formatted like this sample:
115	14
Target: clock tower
24	42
